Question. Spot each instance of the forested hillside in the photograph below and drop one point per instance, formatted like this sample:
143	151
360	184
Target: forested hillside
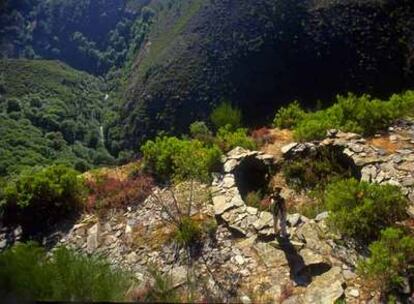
50	113
94	36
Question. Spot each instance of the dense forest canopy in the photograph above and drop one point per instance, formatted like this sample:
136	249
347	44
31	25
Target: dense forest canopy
94	36
49	113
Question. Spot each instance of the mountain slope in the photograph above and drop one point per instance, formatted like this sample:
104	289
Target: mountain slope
264	53
50	112
93	36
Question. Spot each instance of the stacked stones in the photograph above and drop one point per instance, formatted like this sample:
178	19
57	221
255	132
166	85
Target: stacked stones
374	164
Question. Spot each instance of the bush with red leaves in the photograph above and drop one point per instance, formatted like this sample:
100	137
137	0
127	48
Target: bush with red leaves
106	192
262	136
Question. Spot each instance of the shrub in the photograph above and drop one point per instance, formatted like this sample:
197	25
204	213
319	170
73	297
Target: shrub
262	136
353	114
108	192
200	131
170	157
226	115
227	139
254	199
315	172
27	272
41	196
288	117
188	232
391	260
160	291
360	209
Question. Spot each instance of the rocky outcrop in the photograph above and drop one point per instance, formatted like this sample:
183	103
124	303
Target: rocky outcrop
371	163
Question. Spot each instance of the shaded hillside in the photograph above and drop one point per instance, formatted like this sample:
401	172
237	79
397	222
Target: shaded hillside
50	113
262	54
94	36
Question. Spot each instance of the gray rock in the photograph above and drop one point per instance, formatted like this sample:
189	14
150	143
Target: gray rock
349	275
245	299
239	259
228	181
353	292
368	173
221	205
178	276
3	244
322	216
92	242
311	258
407	182
265	220
326	288
132	258
17	232
230	165
270	256
293	219
287	148
356	148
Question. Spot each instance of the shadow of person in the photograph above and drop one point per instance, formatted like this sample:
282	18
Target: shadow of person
299	273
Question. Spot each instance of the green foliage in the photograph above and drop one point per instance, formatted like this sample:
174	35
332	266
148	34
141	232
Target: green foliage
40	196
316	172
210	227
180	159
391	260
199	130
288	117
360	209
226	116
254	199
51	113
93	36
354	114
228	139
188	232
28	273
161	291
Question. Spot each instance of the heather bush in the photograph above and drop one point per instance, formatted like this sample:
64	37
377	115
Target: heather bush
227	139
226	115
360	209
262	136
289	116
40	196
180	159
391	260
27	272
109	192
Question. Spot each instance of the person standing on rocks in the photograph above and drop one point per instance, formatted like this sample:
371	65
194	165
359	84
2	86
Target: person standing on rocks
278	210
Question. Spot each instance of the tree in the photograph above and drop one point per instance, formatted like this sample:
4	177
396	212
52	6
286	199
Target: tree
225	114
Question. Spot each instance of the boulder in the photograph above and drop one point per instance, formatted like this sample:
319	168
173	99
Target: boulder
311	258
92	242
265	220
326	288
288	148
221	205
270	256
